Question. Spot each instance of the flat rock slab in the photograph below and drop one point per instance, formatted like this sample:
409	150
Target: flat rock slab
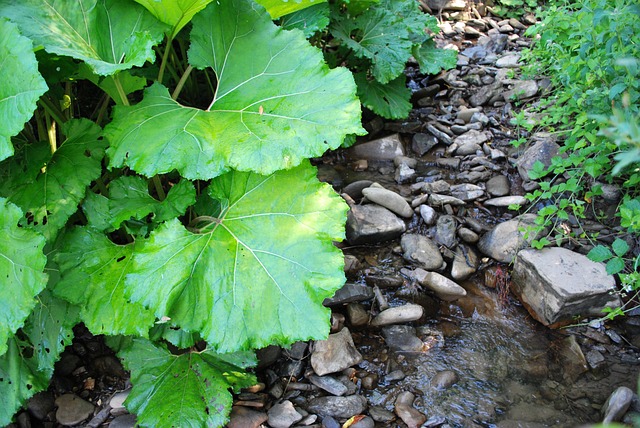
370	224
556	285
335	354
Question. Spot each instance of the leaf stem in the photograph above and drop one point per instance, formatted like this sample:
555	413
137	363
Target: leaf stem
120	89
158	186
51	132
51	109
180	85
165	57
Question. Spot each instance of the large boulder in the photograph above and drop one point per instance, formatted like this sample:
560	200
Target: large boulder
556	285
504	241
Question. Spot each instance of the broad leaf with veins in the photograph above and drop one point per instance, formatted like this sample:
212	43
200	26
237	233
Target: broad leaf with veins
255	275
276	103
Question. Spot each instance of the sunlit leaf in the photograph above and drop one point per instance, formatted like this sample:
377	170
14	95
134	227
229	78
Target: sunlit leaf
257	274
187	390
310	20
108	35
278	8
176	13
21	86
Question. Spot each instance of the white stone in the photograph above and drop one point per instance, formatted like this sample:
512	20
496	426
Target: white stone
398	315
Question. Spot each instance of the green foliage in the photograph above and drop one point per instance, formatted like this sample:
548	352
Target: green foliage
187	227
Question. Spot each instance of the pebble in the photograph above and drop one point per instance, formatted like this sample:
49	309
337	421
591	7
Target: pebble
386	148
329	384
402	338
405	410
130	421
505	201
338	407
446	231
444	379
508	61
390	200
398	315
465	263
348	293
468	235
428	214
370	224
498	185
334	354
41	404
442	286
72	409
283	415
617	404
117	401
357	314
421	250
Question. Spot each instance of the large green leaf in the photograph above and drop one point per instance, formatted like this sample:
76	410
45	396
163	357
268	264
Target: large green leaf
309	20
408	13
431	59
21	271
188	390
176	13
255	275
93	270
130	198
109	35
48	187
278	8
21	85
390	100
276	103
28	364
376	34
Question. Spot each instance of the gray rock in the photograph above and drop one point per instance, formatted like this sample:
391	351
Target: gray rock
72	409
366	422
404	174
348	293
442	286
428	214
444	379
498	185
521	90
465	263
517	24
421	250
480	117
505	201
329	422
334	354
283	415
330	384
405	410
130	421
436	200
617	404
357	314
388	199
446	231
402	338
494	43
485	93
556	285
117	401
398	315
380	414
437	5
421	143
355	189
467	191
41	404
468	235
370	224
542	151
471	138
386	148
508	61
439	186
338	407
594	358
465	114
506	28
443	137
504	241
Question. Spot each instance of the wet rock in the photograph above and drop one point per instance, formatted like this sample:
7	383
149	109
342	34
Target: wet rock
436	200
404	174
472	139
381	415
508	61
357	314
465	263
481	118
348	293
428	214
468	235
444	379
439	186
442	286
386	148
421	143
402	338
398	315
505	201
617	404
243	417
504	241
521	90
467	191
354	190
72	409
542	151
388	199
594	358
498	186
338	407
130	421
283	415
395	376
446	231
405	410
421	250
442	136
329	384
485	93
365	422
329	422
370	224
334	354
41	404
465	114
117	401
556	285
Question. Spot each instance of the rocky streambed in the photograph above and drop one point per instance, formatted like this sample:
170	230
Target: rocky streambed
443	320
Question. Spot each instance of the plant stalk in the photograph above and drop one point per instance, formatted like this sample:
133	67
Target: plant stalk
165	57
157	184
51	132
181	82
120	89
